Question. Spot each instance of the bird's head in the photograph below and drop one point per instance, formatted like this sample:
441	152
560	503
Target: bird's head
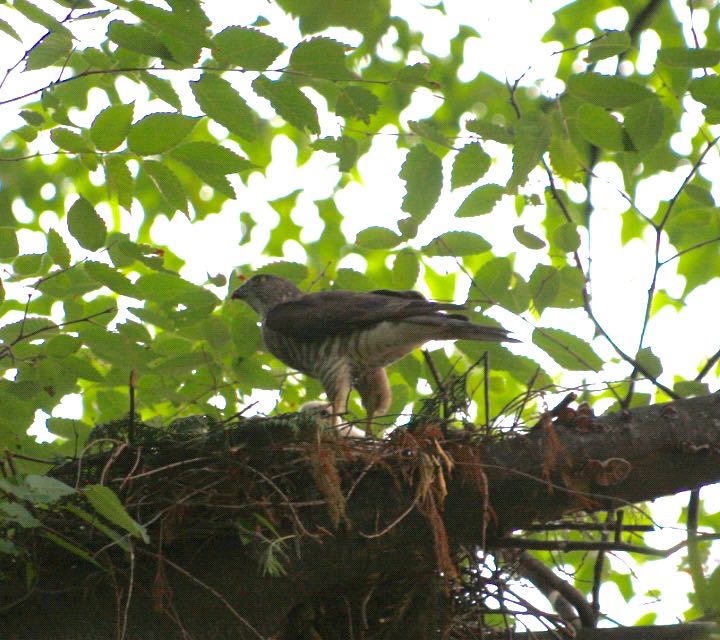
264	291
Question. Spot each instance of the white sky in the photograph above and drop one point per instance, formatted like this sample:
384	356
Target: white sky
510	41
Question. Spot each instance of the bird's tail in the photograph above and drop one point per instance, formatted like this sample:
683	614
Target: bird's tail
459	328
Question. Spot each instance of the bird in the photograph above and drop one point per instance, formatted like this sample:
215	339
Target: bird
345	339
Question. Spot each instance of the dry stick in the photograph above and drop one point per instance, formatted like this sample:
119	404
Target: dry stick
207	587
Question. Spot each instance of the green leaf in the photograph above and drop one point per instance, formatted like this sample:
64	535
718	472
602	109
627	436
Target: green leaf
15	512
544	286
108	505
429	130
489	131
650	363
119	180
456	243
377	238
71	547
6	28
688	58
47	490
346	149
38	16
532	137
494	278
69	140
406	269
54	47
57	249
247	48
168	184
290	270
111	126
8	243
527	239
212	162
470	164
86	226
569	351
600	128
161	89
700	194
644	124
289	103
219	100
612	92
321	58
62	345
137	38
159	132
611	44
480	201
688	388
170	290
563	155
356	102
32	117
706	90
111	278
566	237
422	173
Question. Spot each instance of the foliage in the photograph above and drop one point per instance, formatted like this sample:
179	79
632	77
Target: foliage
170	113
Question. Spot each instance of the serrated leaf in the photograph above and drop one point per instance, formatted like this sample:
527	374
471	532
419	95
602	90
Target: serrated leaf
490	131
289	103
700	194
422	173
69	140
527	239
170	290
493	278
85	225
563	156
456	243
649	362
612	92
688	388
62	345
212	162
569	351
119	180
291	270
57	249
480	201
47	490
111	126
108	505
346	149
611	44
706	90
111	278
532	137
37	15
247	48
600	128
15	512
566	237
644	124
429	130
219	100
544	286
9	247
321	58
377	238
169	185
688	58
162	89
357	102
159	132
137	38
470	164
54	47
406	269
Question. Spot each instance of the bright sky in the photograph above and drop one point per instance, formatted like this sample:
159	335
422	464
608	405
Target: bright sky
620	274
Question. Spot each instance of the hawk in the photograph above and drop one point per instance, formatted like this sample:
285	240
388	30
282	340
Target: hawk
345	339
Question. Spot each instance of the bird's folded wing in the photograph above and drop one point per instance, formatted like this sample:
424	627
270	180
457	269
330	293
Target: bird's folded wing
326	313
